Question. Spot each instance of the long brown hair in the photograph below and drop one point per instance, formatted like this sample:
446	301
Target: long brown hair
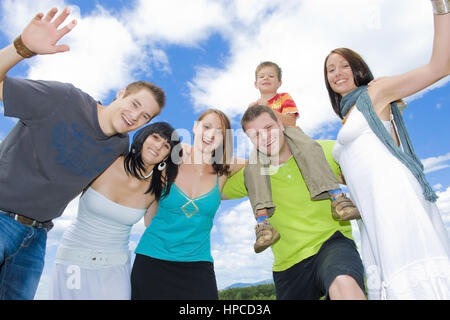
224	152
361	74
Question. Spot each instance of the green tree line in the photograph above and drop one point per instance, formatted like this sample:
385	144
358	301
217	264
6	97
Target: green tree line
261	292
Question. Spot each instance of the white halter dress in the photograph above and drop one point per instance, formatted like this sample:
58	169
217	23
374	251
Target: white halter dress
93	259
404	244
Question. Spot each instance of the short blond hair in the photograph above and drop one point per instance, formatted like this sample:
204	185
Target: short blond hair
268	64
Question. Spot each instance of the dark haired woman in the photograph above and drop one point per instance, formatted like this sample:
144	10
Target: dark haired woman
405	246
93	259
173	257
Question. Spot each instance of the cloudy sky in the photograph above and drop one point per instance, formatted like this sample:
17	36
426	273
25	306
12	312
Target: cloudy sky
204	53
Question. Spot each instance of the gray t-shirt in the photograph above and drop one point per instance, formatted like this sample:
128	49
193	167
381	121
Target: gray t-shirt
54	151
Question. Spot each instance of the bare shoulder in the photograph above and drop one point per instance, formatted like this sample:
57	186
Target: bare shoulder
112	174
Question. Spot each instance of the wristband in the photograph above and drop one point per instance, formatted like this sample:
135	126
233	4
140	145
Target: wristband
21	49
440	6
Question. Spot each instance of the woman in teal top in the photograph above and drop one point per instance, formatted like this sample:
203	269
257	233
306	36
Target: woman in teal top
173	257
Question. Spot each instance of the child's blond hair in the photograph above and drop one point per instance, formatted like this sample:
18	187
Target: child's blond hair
268	64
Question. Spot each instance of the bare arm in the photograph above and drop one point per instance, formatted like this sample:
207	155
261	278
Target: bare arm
389	89
288	120
151	212
39	36
236	165
8	59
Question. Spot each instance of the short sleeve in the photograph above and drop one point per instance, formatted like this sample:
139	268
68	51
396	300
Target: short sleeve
33	100
235	188
288	105
327	146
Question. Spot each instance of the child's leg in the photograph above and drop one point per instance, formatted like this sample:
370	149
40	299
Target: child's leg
318	176
262	216
342	208
316	171
266	234
259	190
257	182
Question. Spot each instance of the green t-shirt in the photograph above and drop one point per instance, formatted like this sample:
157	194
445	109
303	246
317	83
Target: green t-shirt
304	224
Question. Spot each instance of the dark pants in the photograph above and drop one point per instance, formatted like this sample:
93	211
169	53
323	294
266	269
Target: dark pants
310	279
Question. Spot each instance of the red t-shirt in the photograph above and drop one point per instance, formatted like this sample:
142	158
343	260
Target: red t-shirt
283	103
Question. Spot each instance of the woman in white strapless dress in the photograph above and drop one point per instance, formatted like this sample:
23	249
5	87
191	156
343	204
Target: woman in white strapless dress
404	243
93	259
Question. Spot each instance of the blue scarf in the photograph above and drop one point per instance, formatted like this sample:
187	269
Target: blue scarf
407	157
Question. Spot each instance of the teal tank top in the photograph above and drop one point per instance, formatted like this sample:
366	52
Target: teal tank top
181	228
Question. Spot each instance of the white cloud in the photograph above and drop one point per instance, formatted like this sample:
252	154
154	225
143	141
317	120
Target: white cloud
436	163
103	56
17	14
61	224
298	35
234	258
108	49
443	203
174	21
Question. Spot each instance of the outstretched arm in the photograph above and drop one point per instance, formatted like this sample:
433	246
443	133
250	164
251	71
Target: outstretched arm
39	36
389	89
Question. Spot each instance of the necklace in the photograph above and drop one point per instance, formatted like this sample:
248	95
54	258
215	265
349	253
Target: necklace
148	176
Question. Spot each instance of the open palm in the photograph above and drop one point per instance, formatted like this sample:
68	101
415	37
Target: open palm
42	33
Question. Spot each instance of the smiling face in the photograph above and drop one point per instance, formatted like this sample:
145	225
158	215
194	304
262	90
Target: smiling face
266	134
267	81
133	111
155	149
340	74
208	133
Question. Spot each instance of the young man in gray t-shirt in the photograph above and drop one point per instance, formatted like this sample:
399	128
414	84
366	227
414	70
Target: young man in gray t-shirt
62	141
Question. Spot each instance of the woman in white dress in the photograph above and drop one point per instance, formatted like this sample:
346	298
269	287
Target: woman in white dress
404	243
93	259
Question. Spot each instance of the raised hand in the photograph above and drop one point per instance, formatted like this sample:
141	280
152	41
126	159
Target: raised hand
42	34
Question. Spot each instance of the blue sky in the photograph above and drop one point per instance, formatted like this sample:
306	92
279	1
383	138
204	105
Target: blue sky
204	52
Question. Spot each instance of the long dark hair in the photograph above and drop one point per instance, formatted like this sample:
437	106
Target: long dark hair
361	75
160	184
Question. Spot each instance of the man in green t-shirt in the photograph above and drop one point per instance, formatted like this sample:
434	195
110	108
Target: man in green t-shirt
316	254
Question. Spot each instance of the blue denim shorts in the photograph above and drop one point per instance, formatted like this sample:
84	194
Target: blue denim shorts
311	278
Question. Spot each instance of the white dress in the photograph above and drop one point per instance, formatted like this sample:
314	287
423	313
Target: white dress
93	259
404	244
